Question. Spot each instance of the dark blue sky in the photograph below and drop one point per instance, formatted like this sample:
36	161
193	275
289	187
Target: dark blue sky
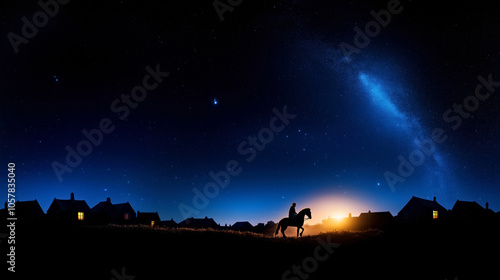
355	118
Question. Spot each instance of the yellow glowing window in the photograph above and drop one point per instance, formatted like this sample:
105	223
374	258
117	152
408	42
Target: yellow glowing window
80	216
152	223
434	214
125	216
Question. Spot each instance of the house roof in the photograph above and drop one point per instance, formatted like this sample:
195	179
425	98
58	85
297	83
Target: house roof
105	204
29	206
489	212
101	205
426	203
169	223
194	222
121	206
416	205
270	224
470	207
242	225
423	203
385	214
71	205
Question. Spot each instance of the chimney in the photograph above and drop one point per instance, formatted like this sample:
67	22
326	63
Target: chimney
434	199
487	205
72	196
5	204
350	215
108	200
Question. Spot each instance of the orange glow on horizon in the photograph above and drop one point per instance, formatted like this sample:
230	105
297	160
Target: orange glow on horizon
338	217
329	213
335	207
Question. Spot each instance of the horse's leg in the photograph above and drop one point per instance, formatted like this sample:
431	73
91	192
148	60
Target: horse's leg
301	231
283	228
298	228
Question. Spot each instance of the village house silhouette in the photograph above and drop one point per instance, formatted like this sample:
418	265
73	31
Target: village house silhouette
417	211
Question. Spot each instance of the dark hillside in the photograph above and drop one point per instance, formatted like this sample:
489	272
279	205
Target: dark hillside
93	252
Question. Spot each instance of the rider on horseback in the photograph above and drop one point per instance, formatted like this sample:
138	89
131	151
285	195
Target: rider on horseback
292	213
294	219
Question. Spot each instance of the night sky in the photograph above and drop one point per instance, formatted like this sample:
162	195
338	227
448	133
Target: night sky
288	96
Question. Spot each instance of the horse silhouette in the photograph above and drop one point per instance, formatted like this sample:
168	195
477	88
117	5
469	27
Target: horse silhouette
299	222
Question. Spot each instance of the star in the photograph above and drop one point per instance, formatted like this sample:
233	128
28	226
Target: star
215	101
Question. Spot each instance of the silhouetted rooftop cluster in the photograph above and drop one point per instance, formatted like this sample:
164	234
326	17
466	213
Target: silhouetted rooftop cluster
416	211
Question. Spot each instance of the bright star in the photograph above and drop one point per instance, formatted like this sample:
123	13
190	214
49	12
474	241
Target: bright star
215	101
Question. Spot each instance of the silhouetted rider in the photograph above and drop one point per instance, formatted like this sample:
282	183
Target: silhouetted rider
292	213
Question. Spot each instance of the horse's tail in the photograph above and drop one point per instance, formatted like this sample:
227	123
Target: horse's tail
278	228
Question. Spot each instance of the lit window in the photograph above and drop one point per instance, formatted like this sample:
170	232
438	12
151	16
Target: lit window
125	216
152	223
434	214
80	216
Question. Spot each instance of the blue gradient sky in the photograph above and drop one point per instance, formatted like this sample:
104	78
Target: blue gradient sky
354	117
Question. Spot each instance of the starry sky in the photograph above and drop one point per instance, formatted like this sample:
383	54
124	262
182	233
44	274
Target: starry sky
253	106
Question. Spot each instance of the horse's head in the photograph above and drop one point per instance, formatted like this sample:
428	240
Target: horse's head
307	212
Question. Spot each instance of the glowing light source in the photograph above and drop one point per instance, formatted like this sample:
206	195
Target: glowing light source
80	216
338	217
435	214
335	207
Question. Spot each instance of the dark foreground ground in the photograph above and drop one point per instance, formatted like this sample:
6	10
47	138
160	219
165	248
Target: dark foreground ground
91	252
